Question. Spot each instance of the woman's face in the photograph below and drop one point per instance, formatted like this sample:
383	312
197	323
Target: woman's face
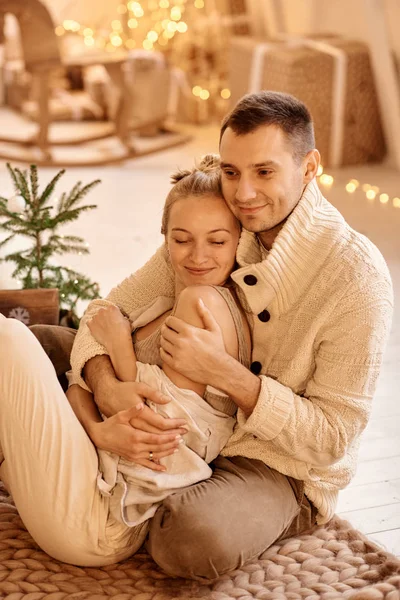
202	238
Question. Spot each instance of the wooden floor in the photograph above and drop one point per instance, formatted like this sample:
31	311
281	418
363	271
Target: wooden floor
124	232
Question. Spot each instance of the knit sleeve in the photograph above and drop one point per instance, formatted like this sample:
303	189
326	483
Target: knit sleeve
318	427
154	279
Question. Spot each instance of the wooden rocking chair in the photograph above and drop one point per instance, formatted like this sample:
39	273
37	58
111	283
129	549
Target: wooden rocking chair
42	56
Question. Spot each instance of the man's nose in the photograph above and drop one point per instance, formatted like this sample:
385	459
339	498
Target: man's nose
245	190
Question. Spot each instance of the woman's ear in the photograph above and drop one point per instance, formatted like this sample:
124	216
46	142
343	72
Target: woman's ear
310	165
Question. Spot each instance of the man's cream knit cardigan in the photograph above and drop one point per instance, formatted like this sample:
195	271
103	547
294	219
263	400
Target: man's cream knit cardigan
328	292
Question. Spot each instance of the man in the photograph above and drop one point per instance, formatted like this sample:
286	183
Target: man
318	297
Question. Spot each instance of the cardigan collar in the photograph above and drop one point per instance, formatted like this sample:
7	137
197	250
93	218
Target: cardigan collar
298	253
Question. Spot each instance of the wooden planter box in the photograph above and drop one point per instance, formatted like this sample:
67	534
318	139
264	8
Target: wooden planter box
31	306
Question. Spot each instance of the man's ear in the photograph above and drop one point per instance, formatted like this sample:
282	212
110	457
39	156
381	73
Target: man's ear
310	165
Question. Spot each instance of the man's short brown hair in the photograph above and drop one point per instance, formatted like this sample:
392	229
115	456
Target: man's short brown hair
274	108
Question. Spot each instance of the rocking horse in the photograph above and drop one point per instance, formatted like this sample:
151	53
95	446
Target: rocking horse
42	57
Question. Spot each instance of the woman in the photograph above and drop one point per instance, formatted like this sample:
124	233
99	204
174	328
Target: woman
136	490
50	466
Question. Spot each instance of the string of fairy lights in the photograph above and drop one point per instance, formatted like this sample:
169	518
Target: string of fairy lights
137	26
371	192
148	25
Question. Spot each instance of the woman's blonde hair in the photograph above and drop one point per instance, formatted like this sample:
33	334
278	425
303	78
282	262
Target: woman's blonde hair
199	181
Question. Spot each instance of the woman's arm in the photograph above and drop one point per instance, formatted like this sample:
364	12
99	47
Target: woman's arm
135	292
112	330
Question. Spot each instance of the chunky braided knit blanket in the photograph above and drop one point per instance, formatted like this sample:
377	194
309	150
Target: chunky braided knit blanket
333	562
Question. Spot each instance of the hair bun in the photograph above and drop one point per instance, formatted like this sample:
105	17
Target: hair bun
180	174
209	162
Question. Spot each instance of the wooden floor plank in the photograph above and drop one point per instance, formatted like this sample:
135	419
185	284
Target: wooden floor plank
389	540
386	447
381	427
356	497
376	519
380	469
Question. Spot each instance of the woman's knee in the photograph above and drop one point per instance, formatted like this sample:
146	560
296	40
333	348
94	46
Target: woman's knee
187	308
13	335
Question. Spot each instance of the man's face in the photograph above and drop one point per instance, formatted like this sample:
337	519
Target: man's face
260	180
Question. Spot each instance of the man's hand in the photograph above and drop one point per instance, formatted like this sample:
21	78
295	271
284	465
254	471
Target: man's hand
126	434
192	351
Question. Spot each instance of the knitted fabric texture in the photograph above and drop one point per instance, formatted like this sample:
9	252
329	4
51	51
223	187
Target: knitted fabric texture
333	562
329	296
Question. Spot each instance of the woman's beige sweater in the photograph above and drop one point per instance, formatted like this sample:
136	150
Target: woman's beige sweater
329	295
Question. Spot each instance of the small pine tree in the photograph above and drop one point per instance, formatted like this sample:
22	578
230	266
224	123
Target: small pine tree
36	220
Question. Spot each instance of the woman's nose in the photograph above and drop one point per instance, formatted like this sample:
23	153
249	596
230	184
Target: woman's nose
199	254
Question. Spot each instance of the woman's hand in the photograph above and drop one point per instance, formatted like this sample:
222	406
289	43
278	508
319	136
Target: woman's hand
137	434
108	326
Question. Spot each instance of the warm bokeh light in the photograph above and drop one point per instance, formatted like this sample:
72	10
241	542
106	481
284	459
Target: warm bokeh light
176	13
204	94
199	3
326	179
396	202
350	187
70	25
132	23
225	94
371	195
182	27
197	90
384	198
152	36
116	41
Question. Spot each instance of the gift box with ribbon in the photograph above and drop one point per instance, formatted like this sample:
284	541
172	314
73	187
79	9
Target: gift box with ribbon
332	76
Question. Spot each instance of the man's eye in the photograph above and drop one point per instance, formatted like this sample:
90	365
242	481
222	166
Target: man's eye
230	173
264	172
